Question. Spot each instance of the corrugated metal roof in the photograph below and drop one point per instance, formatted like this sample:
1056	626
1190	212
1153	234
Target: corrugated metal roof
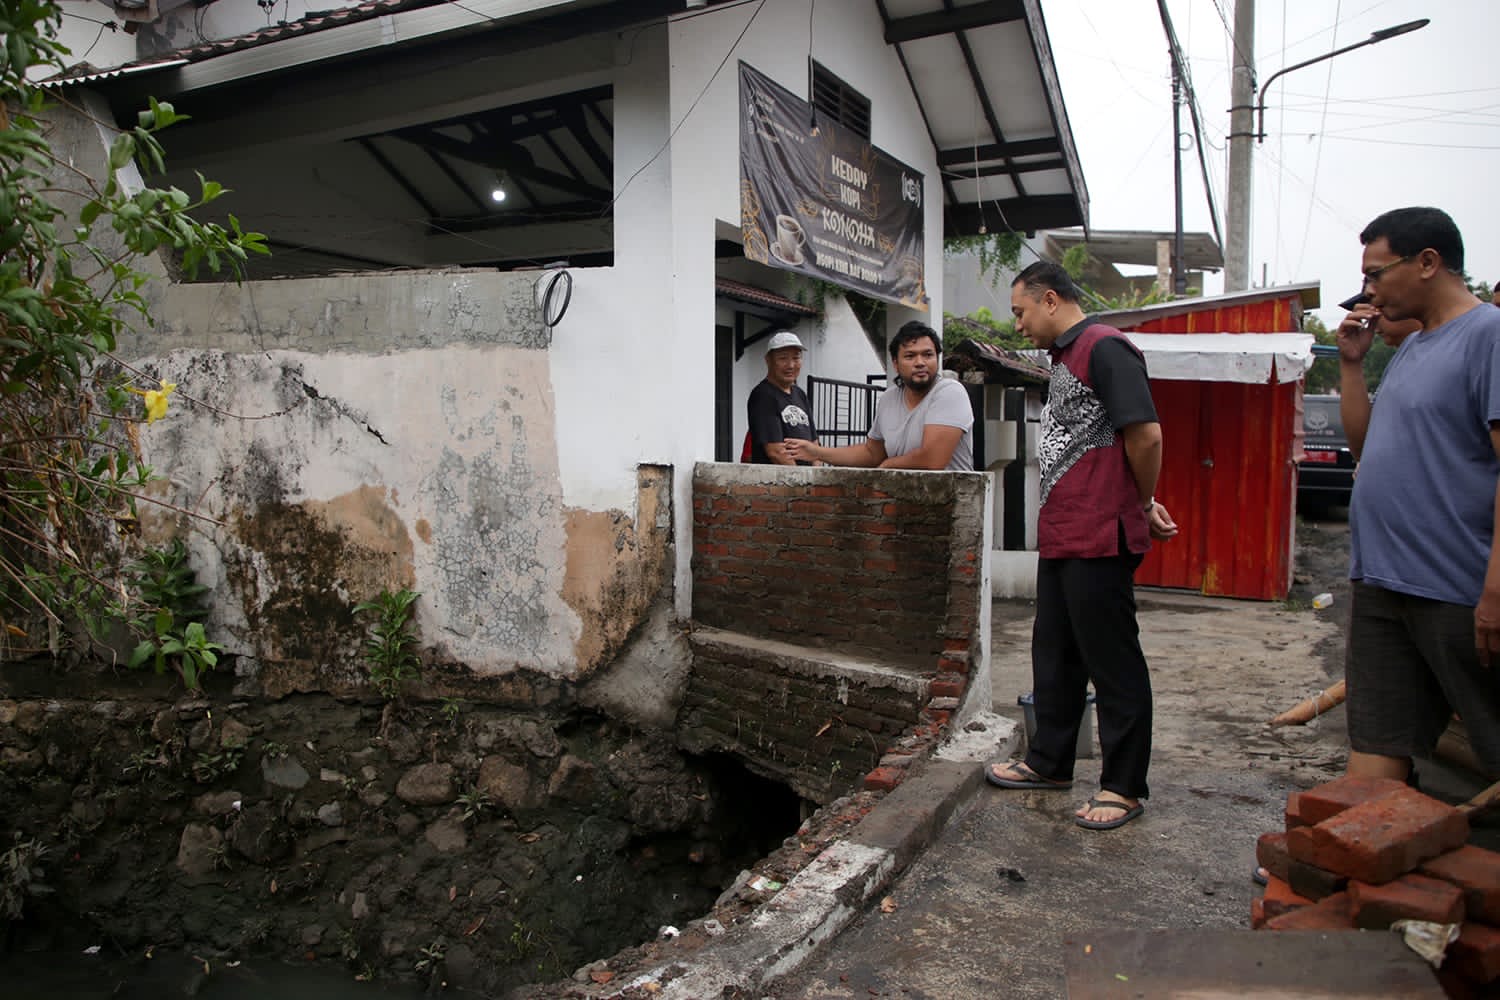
311	23
84	73
314	21
1135	246
1009	365
1307	293
749	293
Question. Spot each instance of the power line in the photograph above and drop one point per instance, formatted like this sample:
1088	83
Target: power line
1185	80
1480	111
1433	116
1418	145
1380	100
1229	30
1329	207
689	113
1109	58
1322	125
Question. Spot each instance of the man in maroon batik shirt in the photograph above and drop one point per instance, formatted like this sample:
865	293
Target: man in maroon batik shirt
1100	453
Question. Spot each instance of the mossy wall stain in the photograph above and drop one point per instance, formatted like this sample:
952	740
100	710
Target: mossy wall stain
298	572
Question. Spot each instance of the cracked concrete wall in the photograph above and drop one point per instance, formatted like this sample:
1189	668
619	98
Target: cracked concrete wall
418	448
356	313
333	437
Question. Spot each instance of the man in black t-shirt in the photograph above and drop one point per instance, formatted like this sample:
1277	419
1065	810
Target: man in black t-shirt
777	408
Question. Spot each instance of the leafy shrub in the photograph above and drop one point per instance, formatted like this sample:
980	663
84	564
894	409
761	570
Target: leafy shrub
71	474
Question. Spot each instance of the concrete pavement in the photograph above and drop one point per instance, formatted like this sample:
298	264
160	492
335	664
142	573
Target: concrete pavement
951	889
1012	891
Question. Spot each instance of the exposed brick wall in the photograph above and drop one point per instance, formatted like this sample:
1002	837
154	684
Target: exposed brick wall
815	723
847	559
854	606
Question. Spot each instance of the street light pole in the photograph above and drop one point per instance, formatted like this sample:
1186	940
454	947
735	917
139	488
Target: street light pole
1241	116
1179	270
1375	36
1241	121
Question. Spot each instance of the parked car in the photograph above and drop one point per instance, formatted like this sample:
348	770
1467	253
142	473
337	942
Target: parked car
1325	476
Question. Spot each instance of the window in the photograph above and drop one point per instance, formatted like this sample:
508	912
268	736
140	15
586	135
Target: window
835	99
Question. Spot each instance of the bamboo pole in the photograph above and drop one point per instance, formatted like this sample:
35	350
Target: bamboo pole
1310	708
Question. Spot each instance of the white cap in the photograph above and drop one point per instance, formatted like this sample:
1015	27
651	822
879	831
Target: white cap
784	339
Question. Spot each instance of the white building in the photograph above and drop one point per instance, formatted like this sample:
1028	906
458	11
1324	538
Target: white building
387	405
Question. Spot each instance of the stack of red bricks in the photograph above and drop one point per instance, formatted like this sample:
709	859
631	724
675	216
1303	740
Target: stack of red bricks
1362	853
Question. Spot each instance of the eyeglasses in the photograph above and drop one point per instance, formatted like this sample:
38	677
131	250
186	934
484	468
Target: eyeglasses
1373	277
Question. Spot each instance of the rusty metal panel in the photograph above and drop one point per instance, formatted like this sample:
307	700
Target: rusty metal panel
1182	487
1228	467
1274	316
1229	479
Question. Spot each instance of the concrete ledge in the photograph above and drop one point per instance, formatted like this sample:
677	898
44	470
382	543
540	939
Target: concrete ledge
832	891
809	661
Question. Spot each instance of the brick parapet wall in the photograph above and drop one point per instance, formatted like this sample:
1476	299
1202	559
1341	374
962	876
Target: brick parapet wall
888	567
860	560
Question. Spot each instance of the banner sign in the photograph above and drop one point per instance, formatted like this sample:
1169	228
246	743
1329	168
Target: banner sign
824	202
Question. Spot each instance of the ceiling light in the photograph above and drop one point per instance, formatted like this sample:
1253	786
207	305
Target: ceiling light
497	193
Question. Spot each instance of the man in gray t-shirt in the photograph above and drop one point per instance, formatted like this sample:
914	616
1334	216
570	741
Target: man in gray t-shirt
925	422
1424	628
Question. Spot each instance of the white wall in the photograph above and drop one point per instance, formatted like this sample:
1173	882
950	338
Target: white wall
966	290
85	33
619	391
839	347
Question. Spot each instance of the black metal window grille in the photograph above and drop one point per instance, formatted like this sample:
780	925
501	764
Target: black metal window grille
843	412
835	99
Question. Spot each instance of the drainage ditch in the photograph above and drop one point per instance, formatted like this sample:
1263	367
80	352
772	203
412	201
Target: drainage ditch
454	844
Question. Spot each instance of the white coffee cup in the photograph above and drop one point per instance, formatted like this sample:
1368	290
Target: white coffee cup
790	237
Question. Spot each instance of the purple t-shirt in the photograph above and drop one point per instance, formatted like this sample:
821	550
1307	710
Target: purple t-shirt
1423	513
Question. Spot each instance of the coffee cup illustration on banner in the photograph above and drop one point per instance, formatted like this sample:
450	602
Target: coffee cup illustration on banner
789	240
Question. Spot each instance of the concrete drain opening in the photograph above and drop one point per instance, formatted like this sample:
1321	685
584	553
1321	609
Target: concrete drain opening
479	848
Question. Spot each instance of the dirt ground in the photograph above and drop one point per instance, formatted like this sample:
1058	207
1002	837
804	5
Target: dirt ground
989	908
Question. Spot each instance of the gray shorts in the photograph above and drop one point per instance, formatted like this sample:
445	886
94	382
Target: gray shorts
1410	663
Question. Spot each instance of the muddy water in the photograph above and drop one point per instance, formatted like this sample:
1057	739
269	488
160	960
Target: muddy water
70	976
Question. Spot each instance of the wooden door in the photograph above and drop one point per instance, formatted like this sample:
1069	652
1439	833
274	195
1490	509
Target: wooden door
1229	479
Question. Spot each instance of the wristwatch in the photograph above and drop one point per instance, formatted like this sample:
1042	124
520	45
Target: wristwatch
1150	504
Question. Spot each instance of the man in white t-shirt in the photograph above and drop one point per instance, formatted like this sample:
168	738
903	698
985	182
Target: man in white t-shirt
924	422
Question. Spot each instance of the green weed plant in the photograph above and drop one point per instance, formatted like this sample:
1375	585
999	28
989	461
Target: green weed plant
390	645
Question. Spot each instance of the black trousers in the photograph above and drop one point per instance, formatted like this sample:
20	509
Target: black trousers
1085	630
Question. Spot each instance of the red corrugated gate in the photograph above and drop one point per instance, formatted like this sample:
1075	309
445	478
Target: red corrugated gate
1229	470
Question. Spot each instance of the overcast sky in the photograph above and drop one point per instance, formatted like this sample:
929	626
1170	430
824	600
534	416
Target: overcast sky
1410	121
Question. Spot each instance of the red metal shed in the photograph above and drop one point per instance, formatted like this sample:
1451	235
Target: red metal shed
1229	469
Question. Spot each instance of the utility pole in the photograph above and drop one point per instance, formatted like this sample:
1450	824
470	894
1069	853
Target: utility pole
1241	141
1179	272
1182	93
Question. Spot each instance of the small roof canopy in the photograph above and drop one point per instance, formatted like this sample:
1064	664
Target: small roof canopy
984	75
1200	251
